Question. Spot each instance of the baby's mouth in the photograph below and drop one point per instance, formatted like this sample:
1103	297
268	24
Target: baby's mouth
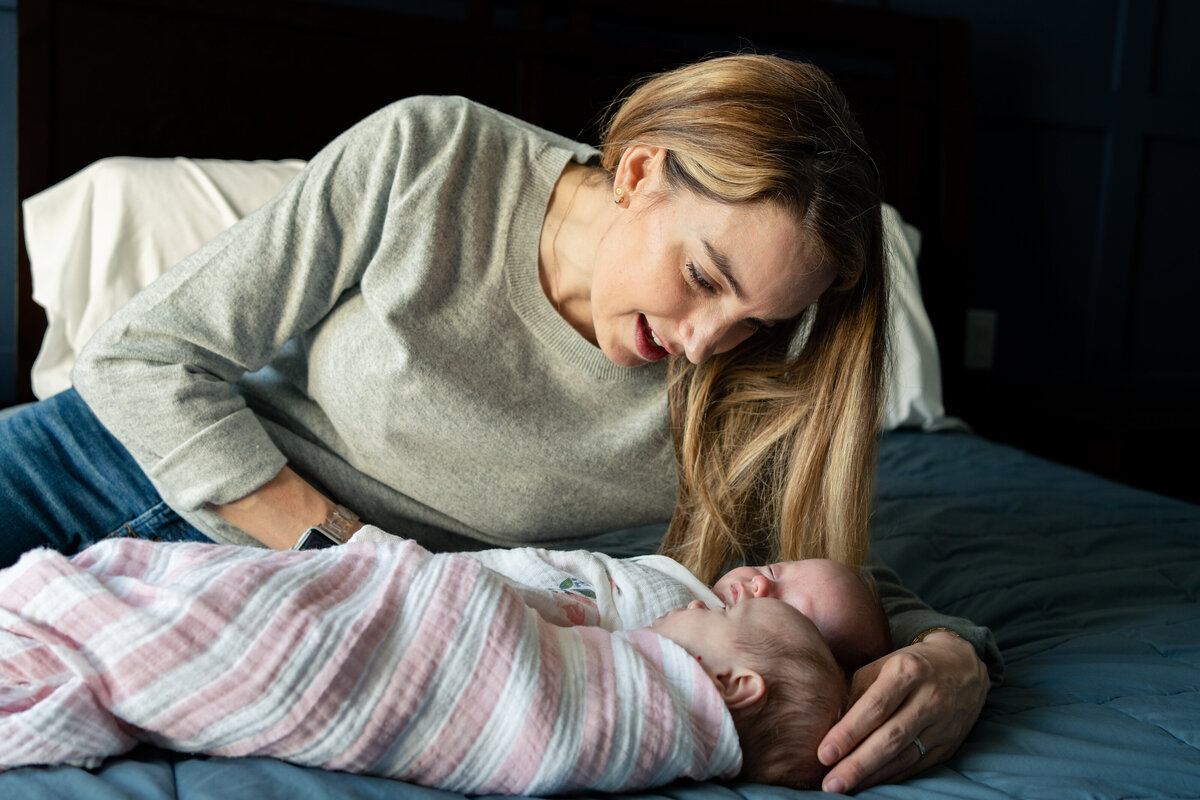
735	593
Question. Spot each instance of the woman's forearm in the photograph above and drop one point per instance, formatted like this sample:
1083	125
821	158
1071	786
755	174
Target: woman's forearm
909	617
279	511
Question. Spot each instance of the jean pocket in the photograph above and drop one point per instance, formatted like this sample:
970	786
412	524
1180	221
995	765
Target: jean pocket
159	523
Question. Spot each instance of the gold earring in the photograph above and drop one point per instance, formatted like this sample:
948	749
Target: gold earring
619	199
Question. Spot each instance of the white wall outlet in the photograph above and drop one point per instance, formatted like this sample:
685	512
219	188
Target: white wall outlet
979	351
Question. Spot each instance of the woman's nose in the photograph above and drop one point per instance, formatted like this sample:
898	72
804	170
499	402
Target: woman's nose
707	335
697	348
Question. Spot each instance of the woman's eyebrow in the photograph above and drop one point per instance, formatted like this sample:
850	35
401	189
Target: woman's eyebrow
721	262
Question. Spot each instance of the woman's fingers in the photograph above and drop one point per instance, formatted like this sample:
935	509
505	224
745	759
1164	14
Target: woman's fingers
882	752
909	761
874	702
865	740
932	691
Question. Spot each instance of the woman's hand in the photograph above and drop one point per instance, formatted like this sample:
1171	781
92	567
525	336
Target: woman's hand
933	690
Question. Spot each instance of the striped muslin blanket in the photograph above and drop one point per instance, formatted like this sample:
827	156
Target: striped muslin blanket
579	587
369	658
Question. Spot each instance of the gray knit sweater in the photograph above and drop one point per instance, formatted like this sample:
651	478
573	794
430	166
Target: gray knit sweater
380	327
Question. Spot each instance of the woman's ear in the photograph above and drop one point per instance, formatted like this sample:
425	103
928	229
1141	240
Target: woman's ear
640	170
740	687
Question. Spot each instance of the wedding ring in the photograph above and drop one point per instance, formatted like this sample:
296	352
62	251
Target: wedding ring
920	747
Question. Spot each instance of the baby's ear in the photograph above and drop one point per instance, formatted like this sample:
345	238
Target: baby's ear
740	687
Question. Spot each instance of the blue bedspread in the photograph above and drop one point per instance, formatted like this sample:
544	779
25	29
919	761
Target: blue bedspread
1091	588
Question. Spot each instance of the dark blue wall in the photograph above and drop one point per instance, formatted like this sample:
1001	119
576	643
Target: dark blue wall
8	196
1087	152
1086	143
1086	126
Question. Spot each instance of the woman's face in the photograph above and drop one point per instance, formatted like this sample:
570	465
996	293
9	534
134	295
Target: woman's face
678	274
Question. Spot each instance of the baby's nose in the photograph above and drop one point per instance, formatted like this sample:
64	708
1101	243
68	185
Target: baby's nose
696	604
760	586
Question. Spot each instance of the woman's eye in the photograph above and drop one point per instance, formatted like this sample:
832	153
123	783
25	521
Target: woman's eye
698	278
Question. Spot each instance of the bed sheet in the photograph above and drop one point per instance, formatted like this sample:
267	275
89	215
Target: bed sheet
1091	588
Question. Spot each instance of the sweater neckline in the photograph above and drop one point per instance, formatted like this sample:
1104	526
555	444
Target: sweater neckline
525	287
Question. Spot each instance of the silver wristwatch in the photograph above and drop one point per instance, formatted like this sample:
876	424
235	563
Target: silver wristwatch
336	529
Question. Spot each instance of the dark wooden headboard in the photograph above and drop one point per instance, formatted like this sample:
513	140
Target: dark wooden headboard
251	79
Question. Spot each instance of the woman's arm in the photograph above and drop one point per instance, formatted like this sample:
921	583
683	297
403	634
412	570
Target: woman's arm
932	690
161	373
909	617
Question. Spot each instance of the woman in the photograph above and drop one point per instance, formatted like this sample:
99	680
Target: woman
462	329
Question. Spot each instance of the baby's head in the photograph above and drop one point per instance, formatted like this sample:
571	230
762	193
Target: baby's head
777	676
842	603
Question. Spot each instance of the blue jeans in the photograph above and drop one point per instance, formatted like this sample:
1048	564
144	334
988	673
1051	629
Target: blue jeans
66	483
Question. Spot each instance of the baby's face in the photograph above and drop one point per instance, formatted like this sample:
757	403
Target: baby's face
709	634
804	585
830	594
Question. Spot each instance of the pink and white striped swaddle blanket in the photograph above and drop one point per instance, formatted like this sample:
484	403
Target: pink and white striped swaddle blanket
370	658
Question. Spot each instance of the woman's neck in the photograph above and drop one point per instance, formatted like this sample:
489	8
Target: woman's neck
578	213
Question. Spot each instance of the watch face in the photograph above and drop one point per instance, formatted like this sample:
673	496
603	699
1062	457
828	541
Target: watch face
314	539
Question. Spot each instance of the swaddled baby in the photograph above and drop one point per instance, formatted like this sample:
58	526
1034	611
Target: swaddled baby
385	659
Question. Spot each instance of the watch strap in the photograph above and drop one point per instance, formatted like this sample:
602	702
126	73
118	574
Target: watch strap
339	525
336	529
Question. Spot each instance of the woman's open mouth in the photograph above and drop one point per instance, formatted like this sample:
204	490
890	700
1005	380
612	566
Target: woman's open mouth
646	341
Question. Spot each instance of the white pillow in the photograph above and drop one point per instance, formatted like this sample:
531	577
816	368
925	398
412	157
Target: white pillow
99	237
914	386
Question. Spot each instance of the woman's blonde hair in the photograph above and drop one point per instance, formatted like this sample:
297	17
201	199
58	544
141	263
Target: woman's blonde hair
775	440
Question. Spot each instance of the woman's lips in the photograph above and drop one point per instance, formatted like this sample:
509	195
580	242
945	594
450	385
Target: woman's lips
644	342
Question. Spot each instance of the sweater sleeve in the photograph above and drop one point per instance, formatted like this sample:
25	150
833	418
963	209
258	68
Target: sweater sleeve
161	373
909	616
